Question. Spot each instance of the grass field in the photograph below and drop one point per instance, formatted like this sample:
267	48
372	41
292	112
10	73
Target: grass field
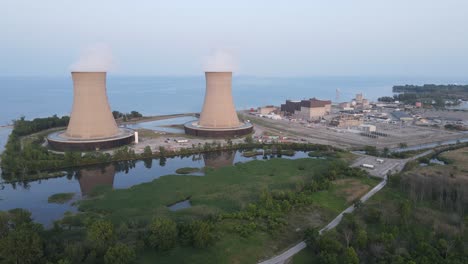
228	190
60	198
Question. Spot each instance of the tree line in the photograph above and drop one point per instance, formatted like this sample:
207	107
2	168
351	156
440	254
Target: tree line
394	229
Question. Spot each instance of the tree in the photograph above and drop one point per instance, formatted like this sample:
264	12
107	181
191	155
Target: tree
202	234
347	226
22	245
386	151
162	234
119	254
19	217
147	152
101	234
351	257
371	150
404	209
328	242
328	258
361	239
248	139
162	151
311	236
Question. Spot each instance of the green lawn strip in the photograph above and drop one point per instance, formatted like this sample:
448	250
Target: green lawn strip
60	198
187	170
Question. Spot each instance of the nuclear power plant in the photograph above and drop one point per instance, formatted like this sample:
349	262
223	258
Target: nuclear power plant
218	118
92	125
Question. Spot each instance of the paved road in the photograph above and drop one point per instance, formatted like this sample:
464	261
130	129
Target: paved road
283	257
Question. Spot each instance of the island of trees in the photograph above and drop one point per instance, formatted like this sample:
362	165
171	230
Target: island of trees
429	94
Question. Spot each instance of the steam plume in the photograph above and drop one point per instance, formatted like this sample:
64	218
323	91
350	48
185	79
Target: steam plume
220	61
95	58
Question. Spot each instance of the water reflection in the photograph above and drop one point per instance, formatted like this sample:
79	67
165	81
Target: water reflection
90	178
33	195
219	159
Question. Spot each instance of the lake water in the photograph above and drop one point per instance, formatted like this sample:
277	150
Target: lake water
45	96
33	195
163	125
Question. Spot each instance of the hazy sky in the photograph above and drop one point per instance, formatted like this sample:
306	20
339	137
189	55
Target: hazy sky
272	38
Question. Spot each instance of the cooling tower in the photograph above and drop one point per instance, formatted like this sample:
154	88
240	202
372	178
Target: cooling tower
92	125
91	116
218	109
218	117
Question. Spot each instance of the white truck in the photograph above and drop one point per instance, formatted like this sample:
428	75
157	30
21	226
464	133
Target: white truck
367	166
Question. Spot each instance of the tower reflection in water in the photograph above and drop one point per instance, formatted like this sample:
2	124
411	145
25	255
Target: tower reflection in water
219	159
90	178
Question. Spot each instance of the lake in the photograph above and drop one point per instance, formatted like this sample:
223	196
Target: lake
33	195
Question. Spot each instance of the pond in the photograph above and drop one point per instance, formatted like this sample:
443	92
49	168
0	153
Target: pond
33	195
164	125
180	205
432	161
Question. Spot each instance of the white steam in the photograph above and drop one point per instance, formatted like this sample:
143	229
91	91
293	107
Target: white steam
220	61
95	58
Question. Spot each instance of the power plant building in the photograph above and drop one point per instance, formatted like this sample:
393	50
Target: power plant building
311	109
92	125
218	118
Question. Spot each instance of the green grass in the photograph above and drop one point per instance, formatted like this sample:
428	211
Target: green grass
224	190
187	170
60	198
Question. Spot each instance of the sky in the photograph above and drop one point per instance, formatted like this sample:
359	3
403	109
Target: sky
266	38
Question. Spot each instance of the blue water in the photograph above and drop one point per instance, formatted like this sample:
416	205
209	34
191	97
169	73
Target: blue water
45	96
33	195
163	125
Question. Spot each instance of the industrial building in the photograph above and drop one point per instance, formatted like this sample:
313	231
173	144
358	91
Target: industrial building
346	120
402	116
268	109
359	102
92	125
311	109
218	118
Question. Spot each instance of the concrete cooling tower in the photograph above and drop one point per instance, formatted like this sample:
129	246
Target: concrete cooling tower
92	125
91	116
218	118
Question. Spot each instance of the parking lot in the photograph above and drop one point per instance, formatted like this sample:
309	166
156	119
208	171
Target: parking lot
380	169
